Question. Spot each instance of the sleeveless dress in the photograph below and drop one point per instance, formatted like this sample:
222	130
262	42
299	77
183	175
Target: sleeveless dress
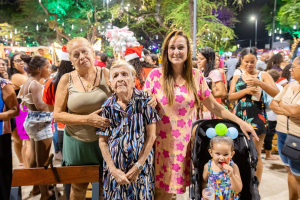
80	141
220	182
252	112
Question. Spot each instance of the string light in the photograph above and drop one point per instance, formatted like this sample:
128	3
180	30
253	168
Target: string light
81	29
72	26
294	27
37	27
10	35
45	20
280	31
16	31
63	24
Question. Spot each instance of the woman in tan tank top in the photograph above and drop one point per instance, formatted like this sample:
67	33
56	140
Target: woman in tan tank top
79	97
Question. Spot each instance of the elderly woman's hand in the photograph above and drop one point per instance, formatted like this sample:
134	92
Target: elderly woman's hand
133	173
97	121
152	102
120	176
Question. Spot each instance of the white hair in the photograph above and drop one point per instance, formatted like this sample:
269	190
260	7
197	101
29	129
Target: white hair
120	63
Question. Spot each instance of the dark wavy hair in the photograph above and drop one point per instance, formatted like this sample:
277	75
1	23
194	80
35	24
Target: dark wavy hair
12	69
64	67
34	63
244	52
276	59
209	55
286	72
154	57
138	66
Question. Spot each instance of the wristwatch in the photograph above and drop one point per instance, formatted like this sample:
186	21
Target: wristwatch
139	166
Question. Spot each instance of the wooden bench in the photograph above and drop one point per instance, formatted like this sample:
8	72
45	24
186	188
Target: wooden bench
55	175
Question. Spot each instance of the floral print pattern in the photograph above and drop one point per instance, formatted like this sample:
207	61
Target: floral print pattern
253	112
220	182
172	147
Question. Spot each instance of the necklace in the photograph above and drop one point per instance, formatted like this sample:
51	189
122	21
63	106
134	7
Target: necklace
89	84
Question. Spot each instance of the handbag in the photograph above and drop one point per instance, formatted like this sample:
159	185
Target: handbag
291	147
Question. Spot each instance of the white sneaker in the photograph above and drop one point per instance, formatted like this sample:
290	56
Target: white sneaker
58	156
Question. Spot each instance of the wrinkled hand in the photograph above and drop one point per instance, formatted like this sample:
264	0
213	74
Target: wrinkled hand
120	177
252	90
247	128
97	121
254	81
152	102
132	174
229	169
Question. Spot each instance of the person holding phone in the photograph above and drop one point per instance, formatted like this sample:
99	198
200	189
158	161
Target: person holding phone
247	89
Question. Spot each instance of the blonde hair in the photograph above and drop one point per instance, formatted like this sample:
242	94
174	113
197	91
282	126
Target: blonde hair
168	80
77	39
120	63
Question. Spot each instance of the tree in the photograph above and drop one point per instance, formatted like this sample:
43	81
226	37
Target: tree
286	19
59	21
155	18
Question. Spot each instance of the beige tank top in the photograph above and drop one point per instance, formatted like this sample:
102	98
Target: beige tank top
84	103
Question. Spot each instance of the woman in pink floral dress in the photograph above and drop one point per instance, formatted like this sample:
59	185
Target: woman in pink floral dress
179	89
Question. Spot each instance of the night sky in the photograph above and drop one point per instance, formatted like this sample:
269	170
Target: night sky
245	29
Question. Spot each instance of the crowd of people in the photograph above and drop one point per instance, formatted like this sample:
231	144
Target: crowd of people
134	116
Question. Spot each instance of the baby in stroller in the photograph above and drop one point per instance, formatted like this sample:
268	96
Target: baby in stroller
221	173
245	157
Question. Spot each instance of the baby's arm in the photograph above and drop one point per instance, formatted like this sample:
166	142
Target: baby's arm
205	176
235	179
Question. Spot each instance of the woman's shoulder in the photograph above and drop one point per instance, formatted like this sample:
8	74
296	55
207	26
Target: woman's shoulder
155	73
18	79
197	72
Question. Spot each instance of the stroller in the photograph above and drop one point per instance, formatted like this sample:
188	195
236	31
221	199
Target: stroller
245	157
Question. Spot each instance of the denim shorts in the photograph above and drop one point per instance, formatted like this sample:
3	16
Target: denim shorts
38	125
294	165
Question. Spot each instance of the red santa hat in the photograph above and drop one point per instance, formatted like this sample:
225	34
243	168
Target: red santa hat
64	53
134	52
282	81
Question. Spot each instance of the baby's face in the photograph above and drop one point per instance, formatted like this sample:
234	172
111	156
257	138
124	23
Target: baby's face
221	154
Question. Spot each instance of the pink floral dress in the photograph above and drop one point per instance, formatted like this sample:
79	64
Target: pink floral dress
172	147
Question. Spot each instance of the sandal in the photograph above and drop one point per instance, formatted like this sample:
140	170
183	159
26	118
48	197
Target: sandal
52	197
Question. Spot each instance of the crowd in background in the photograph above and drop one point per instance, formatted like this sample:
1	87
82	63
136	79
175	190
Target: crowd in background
159	104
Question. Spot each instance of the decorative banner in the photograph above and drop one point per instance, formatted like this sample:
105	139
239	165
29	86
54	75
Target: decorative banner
121	39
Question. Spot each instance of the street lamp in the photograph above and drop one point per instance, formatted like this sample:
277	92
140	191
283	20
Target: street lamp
254	18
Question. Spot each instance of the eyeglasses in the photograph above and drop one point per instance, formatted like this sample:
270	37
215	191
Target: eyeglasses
18	61
293	67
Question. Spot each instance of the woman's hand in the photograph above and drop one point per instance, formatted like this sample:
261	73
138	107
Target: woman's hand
252	90
247	128
132	174
254	81
120	177
97	121
152	102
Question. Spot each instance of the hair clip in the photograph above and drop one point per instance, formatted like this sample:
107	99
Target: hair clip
221	129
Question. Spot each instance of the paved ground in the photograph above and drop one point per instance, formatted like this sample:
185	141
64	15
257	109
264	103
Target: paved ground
273	186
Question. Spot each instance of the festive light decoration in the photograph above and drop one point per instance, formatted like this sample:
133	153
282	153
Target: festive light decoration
294	46
121	39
